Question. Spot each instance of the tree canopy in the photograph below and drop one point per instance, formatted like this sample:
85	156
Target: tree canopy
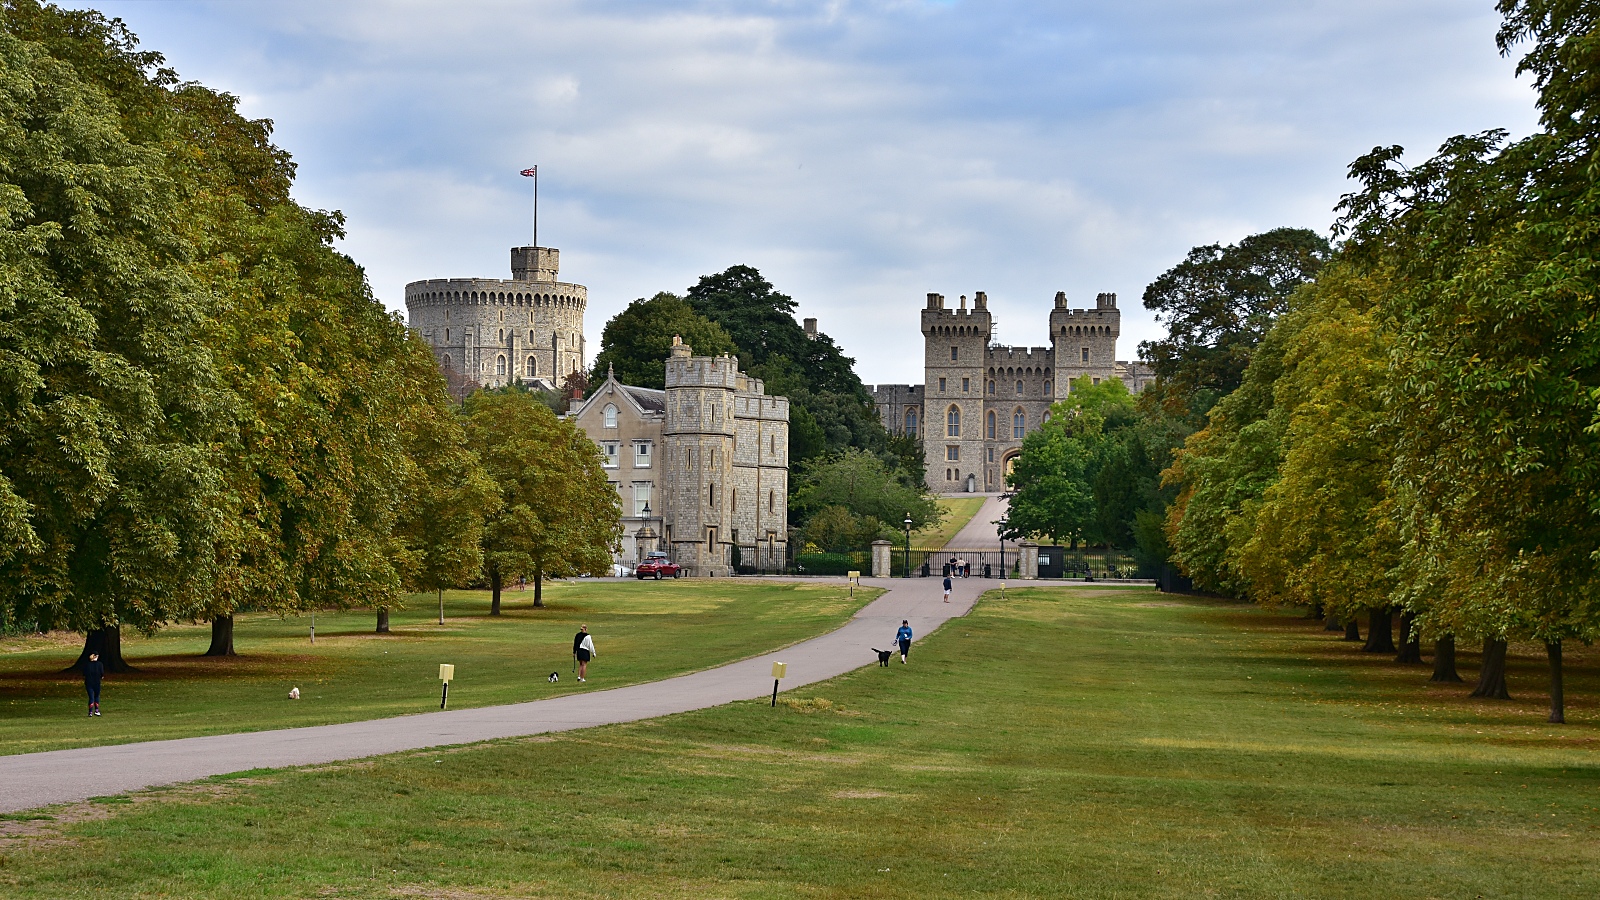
636	342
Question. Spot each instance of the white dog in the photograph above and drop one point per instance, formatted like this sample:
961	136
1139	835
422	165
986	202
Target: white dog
294	693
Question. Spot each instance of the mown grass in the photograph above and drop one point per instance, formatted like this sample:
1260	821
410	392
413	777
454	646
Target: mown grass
643	631
958	511
1065	742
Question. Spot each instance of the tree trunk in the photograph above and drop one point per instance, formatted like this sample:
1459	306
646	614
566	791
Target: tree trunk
1492	677
494	592
1558	700
1352	630
538	587
1333	624
1410	641
383	621
221	637
1444	659
106	641
1380	631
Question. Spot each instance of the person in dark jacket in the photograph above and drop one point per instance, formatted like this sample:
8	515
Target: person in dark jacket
93	671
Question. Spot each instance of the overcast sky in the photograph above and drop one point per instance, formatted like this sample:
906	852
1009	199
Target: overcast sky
860	154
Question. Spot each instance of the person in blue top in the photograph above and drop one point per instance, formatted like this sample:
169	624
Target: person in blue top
947	586
903	637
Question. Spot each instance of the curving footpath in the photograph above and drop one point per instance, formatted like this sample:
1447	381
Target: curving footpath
62	776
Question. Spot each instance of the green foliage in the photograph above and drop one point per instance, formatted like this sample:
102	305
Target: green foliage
852	499
558	516
828	563
1218	303
637	341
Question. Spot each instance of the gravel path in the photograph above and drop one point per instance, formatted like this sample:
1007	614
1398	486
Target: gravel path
62	776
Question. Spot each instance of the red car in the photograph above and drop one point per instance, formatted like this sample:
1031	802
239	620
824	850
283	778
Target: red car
658	566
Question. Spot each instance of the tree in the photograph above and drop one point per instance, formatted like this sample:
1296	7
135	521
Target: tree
1218	304
110	498
636	342
558	516
859	486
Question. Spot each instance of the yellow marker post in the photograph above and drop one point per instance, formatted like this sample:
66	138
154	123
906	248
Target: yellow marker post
778	671
447	672
854	578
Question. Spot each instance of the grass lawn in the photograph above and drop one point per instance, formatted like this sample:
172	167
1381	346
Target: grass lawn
958	511
1066	742
643	630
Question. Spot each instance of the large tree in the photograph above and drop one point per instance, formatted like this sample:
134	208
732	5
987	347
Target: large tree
636	342
859	486
558	516
1217	304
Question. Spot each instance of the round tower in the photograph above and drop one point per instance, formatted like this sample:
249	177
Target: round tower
489	331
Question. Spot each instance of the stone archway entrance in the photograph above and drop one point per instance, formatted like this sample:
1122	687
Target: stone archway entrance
1009	462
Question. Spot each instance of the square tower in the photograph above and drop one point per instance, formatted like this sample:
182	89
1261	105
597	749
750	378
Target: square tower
1084	340
954	341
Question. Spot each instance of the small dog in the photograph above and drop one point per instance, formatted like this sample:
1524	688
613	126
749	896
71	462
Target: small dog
294	693
554	677
883	656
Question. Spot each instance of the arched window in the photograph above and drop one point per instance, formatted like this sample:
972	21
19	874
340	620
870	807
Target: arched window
1019	385
500	365
500	335
610	413
530	335
532	368
448	364
952	422
911	422
1018	425
990	425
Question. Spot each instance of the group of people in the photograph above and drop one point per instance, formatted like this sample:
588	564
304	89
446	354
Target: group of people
959	568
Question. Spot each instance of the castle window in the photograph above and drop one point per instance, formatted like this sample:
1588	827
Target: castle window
530	335
447	335
989	431
772	501
1047	388
952	422
500	365
1086	354
532	368
609	448
941	385
641	454
1019	387
1096	381
711	495
991	386
1045	418
448	364
911	422
610	414
991	454
500	335
1019	423
953	352
952	454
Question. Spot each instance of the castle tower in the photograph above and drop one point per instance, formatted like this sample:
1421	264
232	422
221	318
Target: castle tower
490	331
955	341
1084	341
698	445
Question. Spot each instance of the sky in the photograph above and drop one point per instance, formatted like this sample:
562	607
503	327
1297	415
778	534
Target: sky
859	154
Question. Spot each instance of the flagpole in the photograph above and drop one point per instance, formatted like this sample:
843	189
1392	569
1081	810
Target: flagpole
536	259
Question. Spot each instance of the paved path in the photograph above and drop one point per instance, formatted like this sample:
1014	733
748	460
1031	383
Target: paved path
981	533
61	776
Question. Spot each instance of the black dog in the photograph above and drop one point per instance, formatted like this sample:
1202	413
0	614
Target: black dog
553	678
883	656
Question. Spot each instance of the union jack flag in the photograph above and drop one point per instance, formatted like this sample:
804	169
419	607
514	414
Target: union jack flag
531	171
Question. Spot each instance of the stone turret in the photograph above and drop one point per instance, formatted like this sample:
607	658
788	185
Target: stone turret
955	342
1084	340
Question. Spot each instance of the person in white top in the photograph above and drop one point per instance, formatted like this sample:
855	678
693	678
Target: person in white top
583	650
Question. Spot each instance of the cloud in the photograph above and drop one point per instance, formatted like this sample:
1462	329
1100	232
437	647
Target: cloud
861	154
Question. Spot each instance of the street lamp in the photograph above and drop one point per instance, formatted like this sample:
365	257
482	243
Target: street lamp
908	545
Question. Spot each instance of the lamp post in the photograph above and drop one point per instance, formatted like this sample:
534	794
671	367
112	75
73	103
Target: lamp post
908	545
1002	523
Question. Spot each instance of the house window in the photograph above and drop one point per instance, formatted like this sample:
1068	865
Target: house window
952	422
966	385
1086	354
1019	424
641	497
610	414
532	368
610	450
911	422
952	454
990	425
952	353
941	385
641	454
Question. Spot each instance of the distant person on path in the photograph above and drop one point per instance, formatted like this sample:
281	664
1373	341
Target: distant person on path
93	671
903	638
947	585
583	650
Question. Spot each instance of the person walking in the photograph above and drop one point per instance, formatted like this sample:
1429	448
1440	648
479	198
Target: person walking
903	638
947	584
93	671
583	650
